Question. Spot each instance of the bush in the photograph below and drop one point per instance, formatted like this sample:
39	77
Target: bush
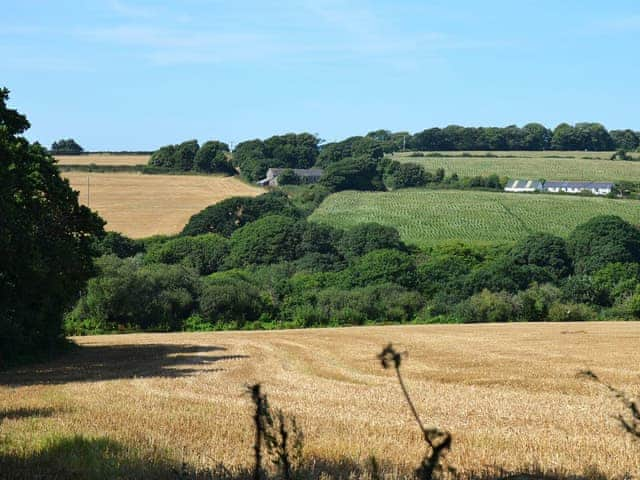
603	240
543	250
486	306
130	294
288	177
382	266
584	289
357	173
230	298
405	175
114	243
570	312
195	323
233	213
366	237
270	239
533	304
204	253
618	280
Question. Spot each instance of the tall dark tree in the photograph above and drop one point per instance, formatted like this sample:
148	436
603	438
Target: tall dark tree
45	243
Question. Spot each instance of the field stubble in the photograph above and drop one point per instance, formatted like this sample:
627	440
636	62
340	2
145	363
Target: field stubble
509	394
143	205
103	159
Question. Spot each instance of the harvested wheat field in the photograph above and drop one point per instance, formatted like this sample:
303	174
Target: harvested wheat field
143	205
510	394
103	159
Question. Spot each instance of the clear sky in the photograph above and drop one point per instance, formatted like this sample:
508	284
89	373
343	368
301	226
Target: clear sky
133	74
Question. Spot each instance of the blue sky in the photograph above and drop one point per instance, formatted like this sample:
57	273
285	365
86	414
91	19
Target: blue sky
133	74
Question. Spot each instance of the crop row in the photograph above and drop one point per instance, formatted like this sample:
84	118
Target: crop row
426	217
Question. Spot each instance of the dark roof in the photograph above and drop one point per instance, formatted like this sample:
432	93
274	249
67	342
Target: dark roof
301	172
585	185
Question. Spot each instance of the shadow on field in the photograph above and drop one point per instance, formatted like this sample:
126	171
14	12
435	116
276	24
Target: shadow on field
97	363
79	457
21	413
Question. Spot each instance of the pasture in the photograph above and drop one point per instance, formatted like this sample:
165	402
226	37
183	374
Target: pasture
103	159
427	217
578	166
510	394
144	205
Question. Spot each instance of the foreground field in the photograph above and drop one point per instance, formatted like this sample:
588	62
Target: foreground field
509	393
587	166
143	205
427	217
103	159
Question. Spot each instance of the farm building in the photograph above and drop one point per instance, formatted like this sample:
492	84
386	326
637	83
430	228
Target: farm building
307	175
523	186
597	188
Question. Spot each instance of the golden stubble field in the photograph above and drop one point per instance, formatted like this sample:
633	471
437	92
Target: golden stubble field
509	393
103	159
143	205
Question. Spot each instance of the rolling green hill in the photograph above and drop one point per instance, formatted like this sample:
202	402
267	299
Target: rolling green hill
427	217
587	166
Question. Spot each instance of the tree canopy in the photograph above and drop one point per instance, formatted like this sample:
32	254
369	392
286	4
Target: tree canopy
187	156
45	243
66	147
254	157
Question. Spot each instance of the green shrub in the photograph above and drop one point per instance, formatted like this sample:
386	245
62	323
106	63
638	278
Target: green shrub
227	216
204	253
486	306
133	295
224	302
533	304
114	243
195	323
570	312
382	266
366	237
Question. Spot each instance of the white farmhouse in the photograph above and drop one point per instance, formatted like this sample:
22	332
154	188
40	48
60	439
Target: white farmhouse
596	188
523	186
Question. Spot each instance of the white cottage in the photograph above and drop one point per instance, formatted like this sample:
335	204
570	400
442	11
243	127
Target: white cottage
521	186
596	188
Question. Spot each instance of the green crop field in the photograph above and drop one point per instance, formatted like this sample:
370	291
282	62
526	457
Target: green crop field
427	217
587	166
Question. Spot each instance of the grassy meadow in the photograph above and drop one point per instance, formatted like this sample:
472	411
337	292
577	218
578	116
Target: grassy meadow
144	205
427	217
510	394
585	166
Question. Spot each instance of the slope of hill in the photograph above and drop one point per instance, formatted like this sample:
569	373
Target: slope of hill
585	166
426	217
144	205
